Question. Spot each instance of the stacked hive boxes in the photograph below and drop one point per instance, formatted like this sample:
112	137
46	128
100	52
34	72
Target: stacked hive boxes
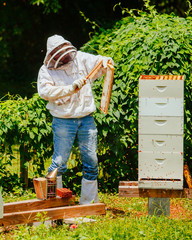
161	132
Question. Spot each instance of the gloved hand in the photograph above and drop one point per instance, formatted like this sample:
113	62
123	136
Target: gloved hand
106	60
78	83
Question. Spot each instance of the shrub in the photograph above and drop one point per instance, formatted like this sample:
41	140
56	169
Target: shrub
25	123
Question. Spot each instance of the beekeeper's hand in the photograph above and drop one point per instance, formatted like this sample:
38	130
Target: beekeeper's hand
107	60
79	83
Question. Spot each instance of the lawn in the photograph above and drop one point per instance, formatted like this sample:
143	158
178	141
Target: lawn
126	218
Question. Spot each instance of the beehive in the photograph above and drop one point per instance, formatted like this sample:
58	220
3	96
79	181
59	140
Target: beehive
161	121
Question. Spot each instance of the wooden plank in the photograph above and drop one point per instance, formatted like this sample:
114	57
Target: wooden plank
95	70
187	175
34	204
128	183
162	77
107	88
53	214
134	191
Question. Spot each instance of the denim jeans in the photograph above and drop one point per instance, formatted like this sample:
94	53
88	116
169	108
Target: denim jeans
64	133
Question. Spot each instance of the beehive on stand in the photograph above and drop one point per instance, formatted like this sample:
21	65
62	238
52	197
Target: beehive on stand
161	122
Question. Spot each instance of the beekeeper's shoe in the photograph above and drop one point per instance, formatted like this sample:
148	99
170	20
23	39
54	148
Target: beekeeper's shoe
89	192
59	182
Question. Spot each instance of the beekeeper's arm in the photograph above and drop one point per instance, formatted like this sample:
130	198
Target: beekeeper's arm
48	91
91	61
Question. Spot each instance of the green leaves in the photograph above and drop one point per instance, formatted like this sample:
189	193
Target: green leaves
25	123
49	6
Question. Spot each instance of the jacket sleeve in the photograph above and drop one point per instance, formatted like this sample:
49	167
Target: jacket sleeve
90	61
47	89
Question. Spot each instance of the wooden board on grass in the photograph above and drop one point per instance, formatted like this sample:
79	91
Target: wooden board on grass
34	204
24	217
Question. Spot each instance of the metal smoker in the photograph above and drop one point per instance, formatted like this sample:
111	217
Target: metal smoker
52	184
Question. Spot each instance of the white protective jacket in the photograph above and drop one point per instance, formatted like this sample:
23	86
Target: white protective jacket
54	85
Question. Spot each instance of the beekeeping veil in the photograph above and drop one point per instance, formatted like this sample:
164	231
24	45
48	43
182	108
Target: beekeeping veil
59	52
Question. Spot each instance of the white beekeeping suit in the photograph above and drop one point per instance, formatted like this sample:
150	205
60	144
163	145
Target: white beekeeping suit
63	102
63	71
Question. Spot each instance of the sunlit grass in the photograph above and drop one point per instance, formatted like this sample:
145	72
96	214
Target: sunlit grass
126	218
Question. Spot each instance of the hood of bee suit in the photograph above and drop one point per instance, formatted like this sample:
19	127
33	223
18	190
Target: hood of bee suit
54	42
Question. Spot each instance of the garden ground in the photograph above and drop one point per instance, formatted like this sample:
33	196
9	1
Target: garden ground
126	218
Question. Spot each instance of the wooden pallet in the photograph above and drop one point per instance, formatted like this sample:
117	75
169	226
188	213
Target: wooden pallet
23	212
130	189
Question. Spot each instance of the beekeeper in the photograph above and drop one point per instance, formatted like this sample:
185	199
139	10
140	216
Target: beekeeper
61	81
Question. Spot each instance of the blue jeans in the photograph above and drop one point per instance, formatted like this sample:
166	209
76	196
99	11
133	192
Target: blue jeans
64	133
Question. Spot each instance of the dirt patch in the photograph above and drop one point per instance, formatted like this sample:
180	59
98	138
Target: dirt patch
177	211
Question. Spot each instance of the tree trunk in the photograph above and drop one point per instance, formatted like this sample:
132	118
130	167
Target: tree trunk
23	168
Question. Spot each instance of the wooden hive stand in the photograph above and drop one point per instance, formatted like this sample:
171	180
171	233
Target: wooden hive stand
158	199
24	212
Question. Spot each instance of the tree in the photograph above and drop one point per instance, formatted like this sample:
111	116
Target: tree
25	26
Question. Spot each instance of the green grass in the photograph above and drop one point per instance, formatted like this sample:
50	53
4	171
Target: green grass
121	228
126	218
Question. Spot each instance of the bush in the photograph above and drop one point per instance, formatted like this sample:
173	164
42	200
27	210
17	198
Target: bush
25	123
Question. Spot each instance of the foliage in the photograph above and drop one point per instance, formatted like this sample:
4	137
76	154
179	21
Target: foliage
23	38
49	6
164	6
18	194
179	7
148	44
25	123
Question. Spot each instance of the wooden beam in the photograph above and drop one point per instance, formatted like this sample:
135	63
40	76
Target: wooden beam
34	204
52	213
187	175
128	183
130	190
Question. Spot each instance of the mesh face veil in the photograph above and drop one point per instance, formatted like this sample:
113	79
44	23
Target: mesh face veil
61	55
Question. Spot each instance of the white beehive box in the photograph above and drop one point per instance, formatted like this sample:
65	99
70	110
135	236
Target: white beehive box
160	165
161	88
161	143
161	107
161	125
161	132
161	184
1	206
